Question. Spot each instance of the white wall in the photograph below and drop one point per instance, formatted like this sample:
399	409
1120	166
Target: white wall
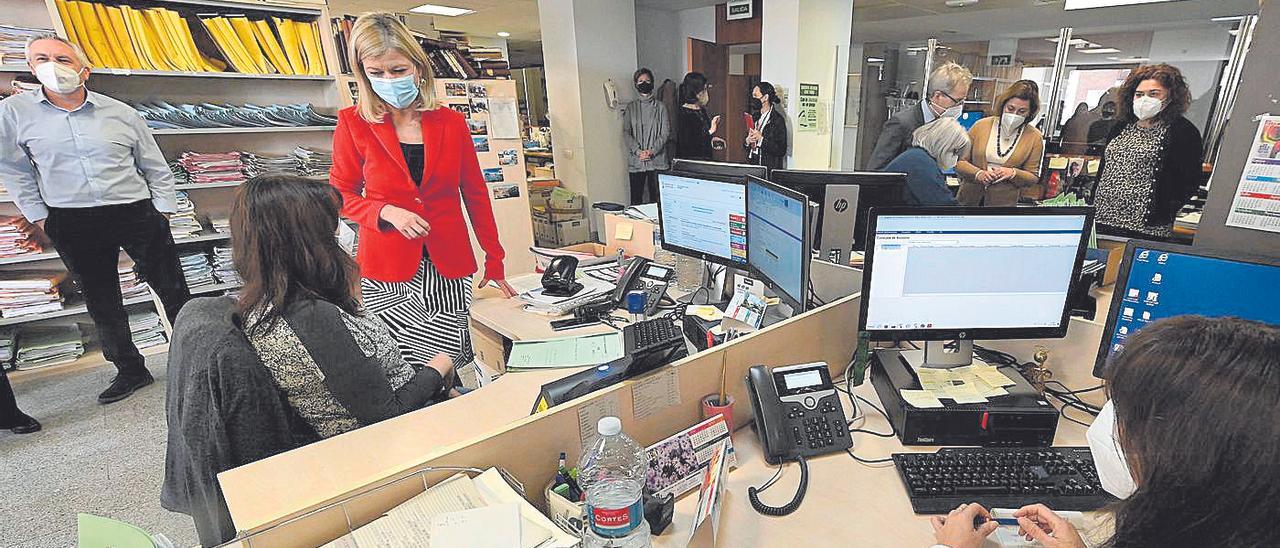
697	23
849	146
658	44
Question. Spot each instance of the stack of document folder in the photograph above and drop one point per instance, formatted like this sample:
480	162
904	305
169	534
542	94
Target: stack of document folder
223	267
261	164
131	286
162	115
8	344
203	168
196	269
313	162
45	345
221	225
146	329
184	225
17	237
284	46
13	43
27	292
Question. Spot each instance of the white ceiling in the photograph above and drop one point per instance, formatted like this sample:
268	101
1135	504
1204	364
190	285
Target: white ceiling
677	5
518	17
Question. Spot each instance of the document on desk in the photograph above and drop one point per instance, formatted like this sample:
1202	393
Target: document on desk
566	351
495	526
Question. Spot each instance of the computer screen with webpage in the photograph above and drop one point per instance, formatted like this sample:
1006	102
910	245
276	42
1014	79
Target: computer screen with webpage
965	272
776	245
704	216
1162	284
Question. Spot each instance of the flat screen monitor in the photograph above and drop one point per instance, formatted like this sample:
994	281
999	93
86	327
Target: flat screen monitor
778	246
719	169
958	273
875	189
1161	280
703	216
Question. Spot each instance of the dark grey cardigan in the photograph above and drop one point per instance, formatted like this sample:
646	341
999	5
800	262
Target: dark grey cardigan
224	410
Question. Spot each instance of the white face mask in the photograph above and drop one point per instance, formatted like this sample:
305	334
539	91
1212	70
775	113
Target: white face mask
1010	121
58	78
1108	457
1146	108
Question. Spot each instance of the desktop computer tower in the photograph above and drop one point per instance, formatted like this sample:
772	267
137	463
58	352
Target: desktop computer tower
1023	418
839	216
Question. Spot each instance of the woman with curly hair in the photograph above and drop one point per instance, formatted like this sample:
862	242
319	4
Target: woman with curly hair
1151	162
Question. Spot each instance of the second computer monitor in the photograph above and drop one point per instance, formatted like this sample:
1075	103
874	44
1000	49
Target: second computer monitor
875	189
952	273
778	240
704	217
720	169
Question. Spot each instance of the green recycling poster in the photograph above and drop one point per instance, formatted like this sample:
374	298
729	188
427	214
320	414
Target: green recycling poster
808	115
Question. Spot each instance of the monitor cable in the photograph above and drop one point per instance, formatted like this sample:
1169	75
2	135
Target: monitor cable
753	493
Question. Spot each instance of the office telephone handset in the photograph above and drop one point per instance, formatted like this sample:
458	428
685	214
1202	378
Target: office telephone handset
644	275
798	414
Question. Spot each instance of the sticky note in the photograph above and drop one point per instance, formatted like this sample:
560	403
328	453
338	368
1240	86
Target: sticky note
994	377
1059	162
623	231
1092	166
964	393
704	311
922	399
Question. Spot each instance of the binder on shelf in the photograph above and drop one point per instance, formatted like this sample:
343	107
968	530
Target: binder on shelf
65	15
292	48
243	30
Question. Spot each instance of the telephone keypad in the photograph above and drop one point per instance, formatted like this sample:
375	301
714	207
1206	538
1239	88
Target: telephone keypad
819	428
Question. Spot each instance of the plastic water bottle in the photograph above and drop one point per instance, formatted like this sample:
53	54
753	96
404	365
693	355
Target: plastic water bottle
612	474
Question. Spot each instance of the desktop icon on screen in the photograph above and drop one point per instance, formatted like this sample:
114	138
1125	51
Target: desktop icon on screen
1153	298
1157	278
1146	316
1134	293
1117	347
1128	313
1143	256
1163	258
1124	330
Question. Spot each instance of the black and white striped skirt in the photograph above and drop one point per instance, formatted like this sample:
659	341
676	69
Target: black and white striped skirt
427	315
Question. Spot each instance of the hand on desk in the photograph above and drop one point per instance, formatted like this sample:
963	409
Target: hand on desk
956	529
507	290
1042	524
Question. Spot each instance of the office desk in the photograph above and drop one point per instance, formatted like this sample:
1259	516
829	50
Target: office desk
508	318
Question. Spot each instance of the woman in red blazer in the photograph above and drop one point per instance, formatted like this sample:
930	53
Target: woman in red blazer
406	168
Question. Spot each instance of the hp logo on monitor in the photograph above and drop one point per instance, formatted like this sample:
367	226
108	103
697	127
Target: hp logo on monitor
841	205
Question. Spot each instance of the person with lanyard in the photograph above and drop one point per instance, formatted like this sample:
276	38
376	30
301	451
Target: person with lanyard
767	142
944	97
1006	158
645	128
85	168
406	168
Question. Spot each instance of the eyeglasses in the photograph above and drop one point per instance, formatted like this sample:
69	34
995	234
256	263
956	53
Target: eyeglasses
948	96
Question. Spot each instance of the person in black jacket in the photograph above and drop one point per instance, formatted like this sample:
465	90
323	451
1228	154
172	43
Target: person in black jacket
695	129
767	142
1151	163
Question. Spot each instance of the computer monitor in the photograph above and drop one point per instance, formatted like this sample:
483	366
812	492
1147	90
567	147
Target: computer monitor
719	169
875	189
778	245
704	216
957	273
1160	280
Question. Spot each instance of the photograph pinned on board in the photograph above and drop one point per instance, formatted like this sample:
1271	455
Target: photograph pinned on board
504	191
508	157
481	143
493	175
479	106
478	127
477	90
455	89
464	108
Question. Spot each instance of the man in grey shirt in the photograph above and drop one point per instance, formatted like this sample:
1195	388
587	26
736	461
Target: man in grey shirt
645	128
85	168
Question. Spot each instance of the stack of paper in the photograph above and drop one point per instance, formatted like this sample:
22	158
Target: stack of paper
131	285
184	225
131	38
163	115
13	43
196	269
8	342
17	237
261	164
146	329
223	267
44	345
221	225
969	384
202	168
26	292
313	162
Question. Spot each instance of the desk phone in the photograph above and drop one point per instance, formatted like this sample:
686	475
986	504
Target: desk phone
798	412
644	275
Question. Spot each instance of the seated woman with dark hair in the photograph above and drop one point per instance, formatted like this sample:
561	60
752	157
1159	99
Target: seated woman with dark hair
339	368
1189	442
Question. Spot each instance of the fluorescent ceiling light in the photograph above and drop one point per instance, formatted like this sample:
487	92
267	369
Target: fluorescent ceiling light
1100	50
1087	4
1073	41
1227	19
504	34
447	11
875	60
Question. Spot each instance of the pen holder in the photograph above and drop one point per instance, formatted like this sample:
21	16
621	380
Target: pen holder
566	514
710	408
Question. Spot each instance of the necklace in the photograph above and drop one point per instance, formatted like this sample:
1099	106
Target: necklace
1000	150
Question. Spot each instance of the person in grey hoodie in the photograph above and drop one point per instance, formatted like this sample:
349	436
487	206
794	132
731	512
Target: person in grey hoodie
645	128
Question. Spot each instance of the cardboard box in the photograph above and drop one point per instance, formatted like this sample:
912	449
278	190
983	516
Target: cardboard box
634	237
1115	253
560	233
489	347
566	200
540	191
556	215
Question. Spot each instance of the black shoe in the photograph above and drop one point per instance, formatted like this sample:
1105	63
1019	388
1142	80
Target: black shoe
123	386
24	425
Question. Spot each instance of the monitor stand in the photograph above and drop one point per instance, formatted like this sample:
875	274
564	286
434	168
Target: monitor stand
938	356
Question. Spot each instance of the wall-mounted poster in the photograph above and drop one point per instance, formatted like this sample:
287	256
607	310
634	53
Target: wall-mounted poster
504	191
455	89
477	90
493	175
478	127
481	143
464	108
508	157
479	106
504	114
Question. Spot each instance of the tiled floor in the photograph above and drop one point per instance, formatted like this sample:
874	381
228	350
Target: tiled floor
101	459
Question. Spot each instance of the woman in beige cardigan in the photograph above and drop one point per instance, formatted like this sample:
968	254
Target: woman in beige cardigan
1002	163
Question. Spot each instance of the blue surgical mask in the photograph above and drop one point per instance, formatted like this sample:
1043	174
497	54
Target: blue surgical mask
397	92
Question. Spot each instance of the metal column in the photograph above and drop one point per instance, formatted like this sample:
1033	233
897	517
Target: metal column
1054	113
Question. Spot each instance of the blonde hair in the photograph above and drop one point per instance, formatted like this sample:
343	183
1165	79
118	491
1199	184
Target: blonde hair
75	48
376	34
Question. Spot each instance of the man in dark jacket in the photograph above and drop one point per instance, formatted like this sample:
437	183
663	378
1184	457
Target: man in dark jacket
947	88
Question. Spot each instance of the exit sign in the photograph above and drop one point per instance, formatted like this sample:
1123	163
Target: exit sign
739	9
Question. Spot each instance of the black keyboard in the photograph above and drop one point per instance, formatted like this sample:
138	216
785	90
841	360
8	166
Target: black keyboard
653	343
1063	478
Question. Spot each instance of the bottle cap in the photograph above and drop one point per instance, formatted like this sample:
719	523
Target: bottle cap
609	426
